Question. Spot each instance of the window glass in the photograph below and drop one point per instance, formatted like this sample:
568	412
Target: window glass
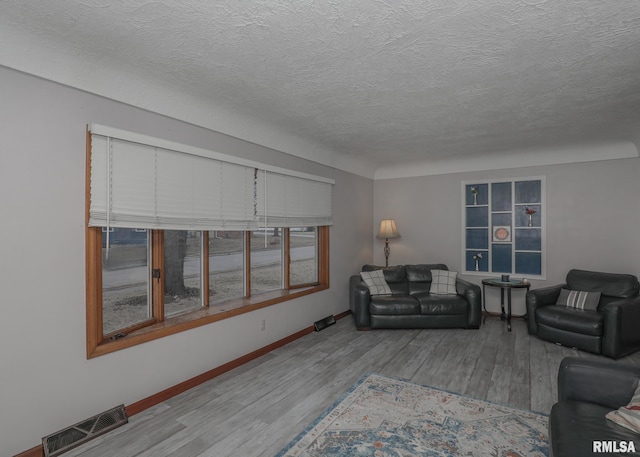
266	260
304	255
125	278
182	271
226	265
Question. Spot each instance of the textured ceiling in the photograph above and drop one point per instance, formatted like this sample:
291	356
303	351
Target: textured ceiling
359	83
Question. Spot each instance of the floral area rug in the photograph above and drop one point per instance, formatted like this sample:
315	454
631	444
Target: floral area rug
381	417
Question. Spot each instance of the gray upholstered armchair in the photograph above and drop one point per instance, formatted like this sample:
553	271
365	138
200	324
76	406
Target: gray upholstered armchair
609	326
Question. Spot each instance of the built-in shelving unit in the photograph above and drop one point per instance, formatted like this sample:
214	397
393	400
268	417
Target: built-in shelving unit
503	227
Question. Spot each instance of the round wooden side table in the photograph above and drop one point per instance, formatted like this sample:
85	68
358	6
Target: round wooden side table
504	285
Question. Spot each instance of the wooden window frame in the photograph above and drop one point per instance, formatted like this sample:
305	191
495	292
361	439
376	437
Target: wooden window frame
158	326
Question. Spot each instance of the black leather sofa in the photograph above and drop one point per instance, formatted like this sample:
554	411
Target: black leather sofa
587	390
410	305
611	329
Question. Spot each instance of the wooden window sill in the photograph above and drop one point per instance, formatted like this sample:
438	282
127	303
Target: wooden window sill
202	316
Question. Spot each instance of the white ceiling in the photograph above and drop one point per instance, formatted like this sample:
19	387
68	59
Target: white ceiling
381	88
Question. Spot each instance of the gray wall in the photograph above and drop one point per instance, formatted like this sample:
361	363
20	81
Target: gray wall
46	382
592	219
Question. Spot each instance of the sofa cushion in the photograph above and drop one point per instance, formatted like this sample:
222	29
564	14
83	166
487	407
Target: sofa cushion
575	425
395	273
395	276
443	282
419	276
375	282
572	320
610	284
442	304
394	304
579	299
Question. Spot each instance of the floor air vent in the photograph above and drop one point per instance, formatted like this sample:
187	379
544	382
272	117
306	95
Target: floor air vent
84	431
324	323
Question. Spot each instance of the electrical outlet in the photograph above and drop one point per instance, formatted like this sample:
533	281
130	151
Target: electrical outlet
263	325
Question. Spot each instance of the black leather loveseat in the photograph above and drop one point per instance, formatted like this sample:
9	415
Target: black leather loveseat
611	329
588	389
410	305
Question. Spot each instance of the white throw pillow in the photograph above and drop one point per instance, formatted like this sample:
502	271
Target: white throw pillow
443	282
628	416
375	282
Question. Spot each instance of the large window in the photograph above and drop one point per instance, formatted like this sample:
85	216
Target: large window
178	239
504	227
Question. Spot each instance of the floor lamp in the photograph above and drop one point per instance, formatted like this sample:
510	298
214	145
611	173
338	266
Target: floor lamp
388	229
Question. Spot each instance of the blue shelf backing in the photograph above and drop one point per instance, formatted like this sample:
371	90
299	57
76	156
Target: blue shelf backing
528	239
501	258
501	196
477	239
501	218
478	216
528	263
529	191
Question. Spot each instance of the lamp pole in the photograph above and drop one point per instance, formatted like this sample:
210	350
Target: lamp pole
387	251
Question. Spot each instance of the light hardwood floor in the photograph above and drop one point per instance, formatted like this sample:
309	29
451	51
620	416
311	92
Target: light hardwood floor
256	409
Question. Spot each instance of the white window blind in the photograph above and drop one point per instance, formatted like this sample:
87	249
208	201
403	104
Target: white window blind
144	182
292	201
143	186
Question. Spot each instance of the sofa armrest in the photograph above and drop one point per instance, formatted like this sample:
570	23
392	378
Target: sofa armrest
621	323
602	382
473	295
359	298
537	298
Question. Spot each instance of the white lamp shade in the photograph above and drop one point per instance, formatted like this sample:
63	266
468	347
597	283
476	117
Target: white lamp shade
388	229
